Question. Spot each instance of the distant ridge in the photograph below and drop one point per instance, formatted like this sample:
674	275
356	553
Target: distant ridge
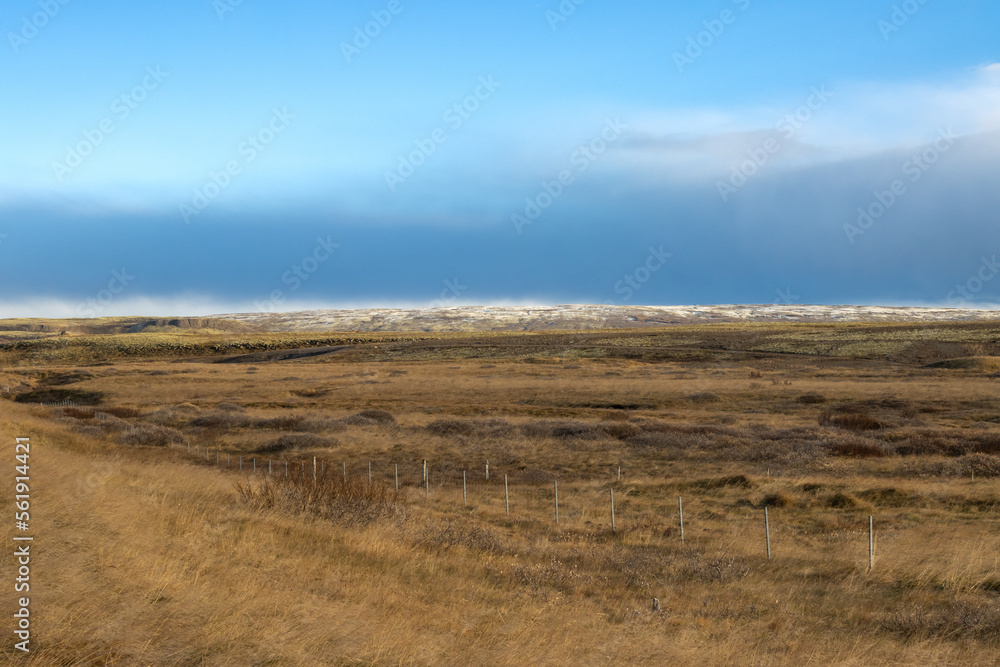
579	317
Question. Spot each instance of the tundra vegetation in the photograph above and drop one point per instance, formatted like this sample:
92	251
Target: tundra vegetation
147	553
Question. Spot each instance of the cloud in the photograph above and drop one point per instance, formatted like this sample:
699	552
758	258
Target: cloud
824	124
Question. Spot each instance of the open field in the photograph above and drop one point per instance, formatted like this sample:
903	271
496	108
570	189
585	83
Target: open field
150	554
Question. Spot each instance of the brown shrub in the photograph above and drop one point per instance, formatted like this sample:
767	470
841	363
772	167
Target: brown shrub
221	420
354	502
733	481
301	423
983	465
777	499
620	430
297	441
703	397
560	429
380	416
891	497
149	435
852	421
811	399
988	444
959	619
857	449
446	427
842	501
121	412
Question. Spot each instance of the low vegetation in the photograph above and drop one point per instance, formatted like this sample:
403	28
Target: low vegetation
196	512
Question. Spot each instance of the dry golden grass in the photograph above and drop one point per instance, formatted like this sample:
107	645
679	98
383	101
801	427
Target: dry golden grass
149	555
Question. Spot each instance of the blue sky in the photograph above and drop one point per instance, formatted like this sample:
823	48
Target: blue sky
220	156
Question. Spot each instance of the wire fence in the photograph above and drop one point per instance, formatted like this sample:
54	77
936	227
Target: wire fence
516	494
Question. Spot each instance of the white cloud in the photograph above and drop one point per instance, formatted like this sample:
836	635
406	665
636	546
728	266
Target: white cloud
859	119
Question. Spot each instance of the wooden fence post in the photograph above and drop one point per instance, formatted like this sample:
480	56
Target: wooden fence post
369	473
465	492
555	485
871	544
767	533
506	495
612	511
680	513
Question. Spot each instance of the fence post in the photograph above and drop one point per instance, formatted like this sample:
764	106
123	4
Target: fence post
345	472
465	493
255	465
680	512
369	473
314	469
612	511
871	544
396	468
506	494
189	446
767	533
269	467
487	471
241	463
286	467
425	470
555	485
619	473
